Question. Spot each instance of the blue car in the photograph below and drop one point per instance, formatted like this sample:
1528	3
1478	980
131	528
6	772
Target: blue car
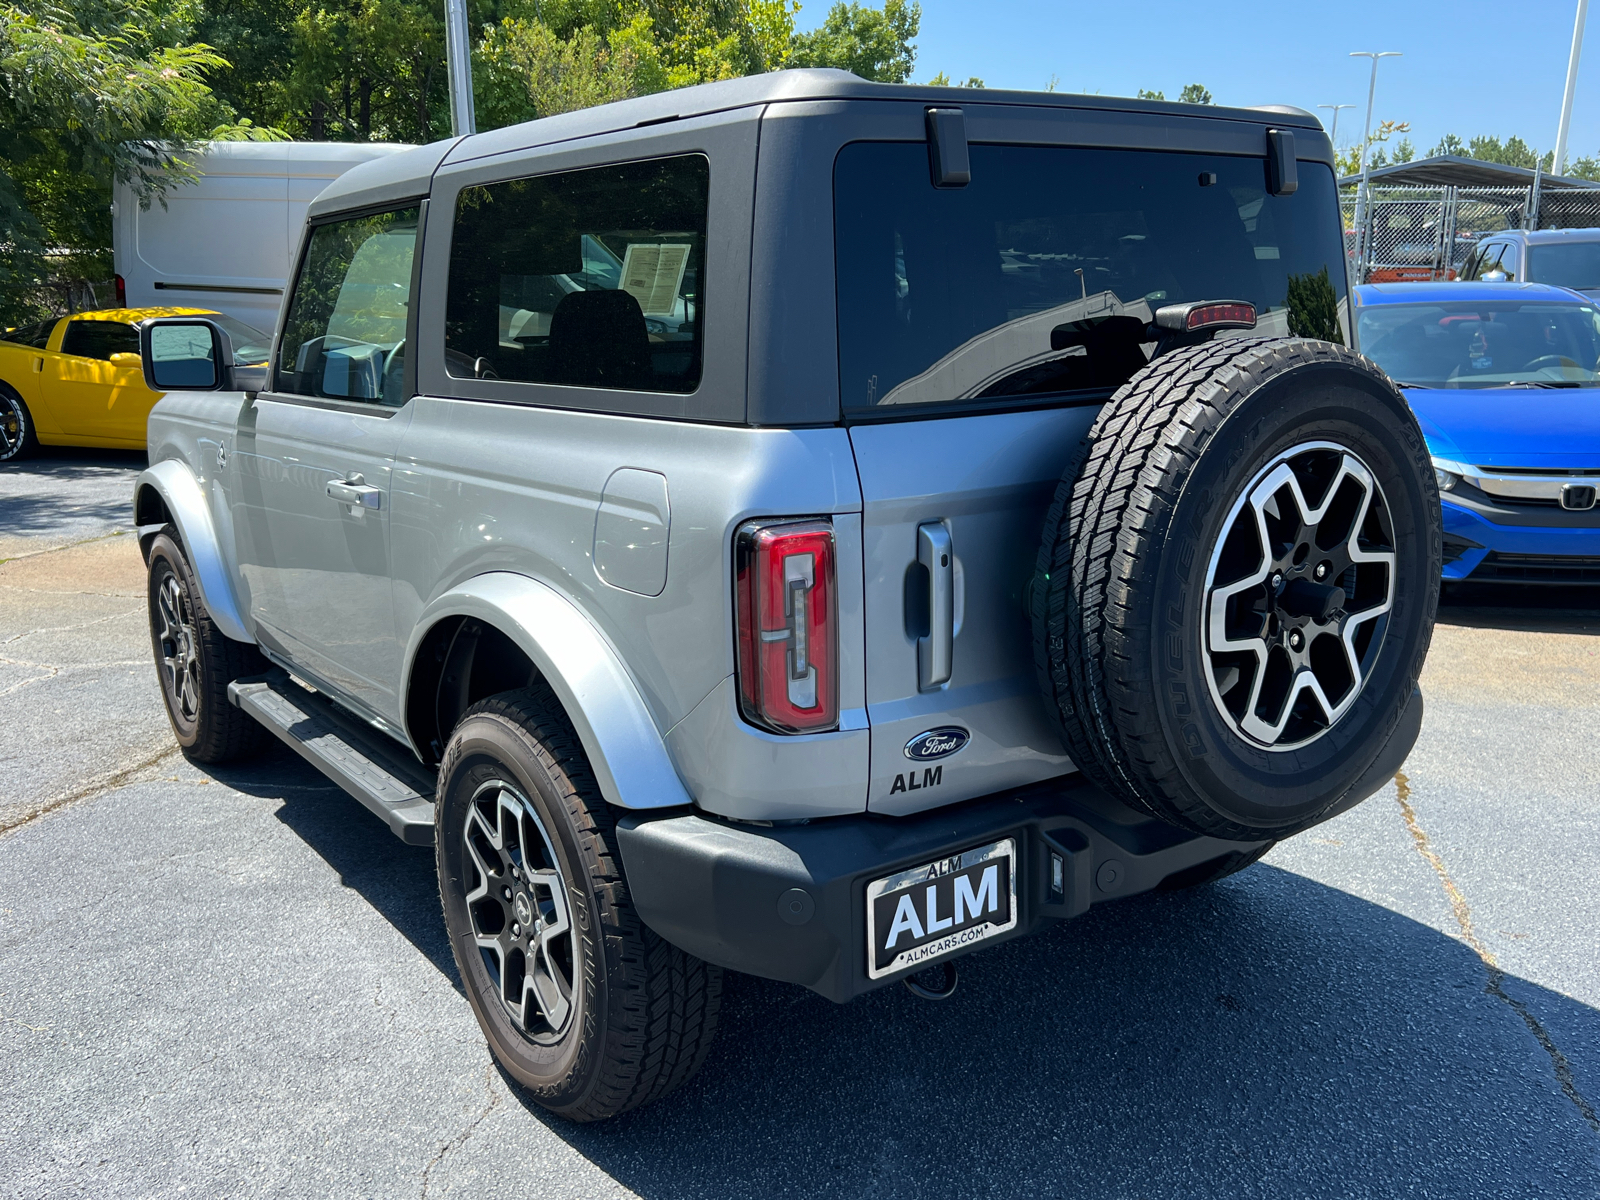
1505	380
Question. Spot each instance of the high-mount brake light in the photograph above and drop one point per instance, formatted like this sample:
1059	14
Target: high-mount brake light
786	622
1207	314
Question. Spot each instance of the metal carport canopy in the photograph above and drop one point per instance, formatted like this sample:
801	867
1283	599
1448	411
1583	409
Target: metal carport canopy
1454	170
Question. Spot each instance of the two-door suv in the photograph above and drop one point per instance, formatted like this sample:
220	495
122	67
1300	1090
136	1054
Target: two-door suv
800	526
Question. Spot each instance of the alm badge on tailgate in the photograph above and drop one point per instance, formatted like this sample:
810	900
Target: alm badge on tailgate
917	916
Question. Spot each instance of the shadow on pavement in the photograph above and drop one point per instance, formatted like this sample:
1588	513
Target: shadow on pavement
396	879
60	486
1528	608
1264	1036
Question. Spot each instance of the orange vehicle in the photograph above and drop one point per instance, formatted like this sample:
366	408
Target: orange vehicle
77	381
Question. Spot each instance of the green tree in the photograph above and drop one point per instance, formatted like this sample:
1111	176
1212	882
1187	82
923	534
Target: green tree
1349	162
1142	94
1194	93
872	43
85	100
1313	307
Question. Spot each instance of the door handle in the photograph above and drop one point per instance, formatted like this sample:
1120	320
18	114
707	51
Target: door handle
354	491
935	651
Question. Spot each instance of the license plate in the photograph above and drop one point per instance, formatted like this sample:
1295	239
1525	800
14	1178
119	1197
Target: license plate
917	916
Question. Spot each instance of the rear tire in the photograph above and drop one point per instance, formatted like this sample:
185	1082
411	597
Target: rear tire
18	438
196	662
1174	709
580	1001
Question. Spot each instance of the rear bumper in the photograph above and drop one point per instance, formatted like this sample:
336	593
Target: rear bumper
713	888
1518	553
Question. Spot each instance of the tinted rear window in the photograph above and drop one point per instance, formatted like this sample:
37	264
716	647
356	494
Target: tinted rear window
951	295
590	278
99	339
1565	264
30	335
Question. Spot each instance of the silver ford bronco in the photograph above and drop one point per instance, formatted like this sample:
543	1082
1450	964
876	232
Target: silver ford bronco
799	526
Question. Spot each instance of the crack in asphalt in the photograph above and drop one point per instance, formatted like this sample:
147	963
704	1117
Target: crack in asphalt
455	1143
1496	986
99	537
28	633
98	787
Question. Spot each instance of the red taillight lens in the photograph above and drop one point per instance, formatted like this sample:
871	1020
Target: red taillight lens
1207	315
787	625
122	291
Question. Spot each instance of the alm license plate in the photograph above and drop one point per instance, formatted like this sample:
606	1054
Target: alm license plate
917	916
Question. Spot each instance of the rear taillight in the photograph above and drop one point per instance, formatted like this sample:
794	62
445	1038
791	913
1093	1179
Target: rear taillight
122	291
787	625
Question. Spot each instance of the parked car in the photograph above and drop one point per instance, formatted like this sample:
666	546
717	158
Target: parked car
77	380
842	622
1505	380
1568	258
227	241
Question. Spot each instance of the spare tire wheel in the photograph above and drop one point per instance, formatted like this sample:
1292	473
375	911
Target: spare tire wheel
1237	586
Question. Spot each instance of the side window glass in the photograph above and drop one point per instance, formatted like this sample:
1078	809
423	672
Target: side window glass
591	278
345	336
1508	262
1488	260
99	339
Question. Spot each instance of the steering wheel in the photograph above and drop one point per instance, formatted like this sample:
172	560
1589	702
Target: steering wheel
1558	361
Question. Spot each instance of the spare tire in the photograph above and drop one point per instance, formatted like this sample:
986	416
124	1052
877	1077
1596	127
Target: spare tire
1237	586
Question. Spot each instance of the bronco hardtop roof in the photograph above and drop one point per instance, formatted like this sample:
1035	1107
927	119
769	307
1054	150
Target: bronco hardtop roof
406	175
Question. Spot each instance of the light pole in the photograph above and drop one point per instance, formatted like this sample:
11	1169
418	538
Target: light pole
458	65
1363	200
1558	160
1333	134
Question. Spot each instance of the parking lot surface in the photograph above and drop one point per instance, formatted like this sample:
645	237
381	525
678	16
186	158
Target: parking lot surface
229	981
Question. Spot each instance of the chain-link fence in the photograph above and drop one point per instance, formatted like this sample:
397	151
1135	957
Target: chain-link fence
1427	232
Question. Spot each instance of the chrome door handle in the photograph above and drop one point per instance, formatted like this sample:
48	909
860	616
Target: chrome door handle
354	491
935	651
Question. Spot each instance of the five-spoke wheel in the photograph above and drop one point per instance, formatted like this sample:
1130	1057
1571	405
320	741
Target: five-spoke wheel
1301	581
177	647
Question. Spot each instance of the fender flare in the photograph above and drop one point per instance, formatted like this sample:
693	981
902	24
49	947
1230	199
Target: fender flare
625	747
180	492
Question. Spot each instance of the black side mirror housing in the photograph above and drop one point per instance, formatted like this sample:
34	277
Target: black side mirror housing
193	354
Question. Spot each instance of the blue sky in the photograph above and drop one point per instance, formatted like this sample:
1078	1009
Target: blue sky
1470	66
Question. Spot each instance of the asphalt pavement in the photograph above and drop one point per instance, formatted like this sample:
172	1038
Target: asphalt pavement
235	981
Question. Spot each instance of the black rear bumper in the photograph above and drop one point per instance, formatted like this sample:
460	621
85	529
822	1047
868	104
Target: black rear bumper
721	891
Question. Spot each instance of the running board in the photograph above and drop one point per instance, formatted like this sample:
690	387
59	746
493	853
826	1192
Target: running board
365	763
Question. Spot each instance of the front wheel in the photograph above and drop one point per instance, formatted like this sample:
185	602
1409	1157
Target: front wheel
579	1000
18	438
196	662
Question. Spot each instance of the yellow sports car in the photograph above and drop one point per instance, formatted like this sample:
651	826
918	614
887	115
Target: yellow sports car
77	381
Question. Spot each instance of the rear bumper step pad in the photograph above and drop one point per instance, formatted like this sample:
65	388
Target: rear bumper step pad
383	776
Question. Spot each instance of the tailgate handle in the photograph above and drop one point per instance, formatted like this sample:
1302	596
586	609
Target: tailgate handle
934	651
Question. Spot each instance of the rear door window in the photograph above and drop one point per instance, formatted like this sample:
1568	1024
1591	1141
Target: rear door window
345	335
99	339
1565	264
1038	278
589	278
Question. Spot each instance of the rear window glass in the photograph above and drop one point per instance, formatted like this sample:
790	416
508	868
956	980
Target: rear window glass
1565	264
589	278
1004	289
30	335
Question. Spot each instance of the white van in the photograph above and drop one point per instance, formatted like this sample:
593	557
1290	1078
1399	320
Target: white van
226	241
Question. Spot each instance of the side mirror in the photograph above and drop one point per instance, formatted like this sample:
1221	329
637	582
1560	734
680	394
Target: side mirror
190	354
1493	277
126	360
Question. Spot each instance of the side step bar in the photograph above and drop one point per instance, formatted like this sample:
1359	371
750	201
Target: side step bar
379	773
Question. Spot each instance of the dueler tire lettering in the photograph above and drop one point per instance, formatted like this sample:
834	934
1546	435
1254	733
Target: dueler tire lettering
1129	666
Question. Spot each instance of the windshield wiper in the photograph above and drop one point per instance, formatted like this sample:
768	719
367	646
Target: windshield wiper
1547	383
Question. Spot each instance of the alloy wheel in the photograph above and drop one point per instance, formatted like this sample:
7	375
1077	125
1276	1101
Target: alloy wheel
1299	587
521	918
13	427
178	644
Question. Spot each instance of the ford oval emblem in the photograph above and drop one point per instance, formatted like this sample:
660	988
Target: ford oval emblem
937	743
